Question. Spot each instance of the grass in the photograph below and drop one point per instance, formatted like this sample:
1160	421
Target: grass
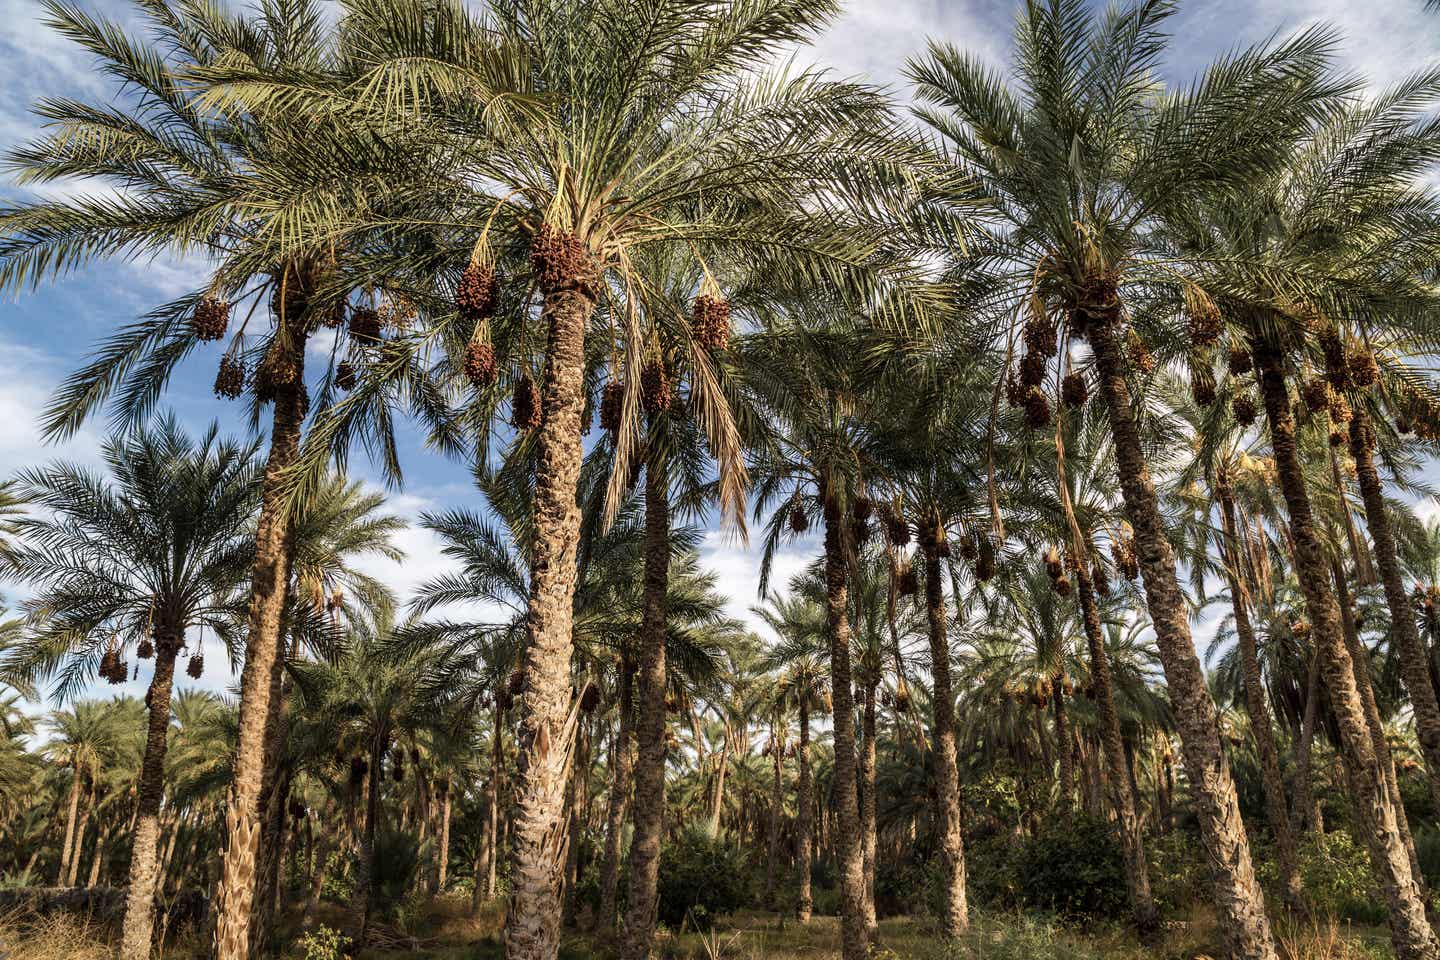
447	932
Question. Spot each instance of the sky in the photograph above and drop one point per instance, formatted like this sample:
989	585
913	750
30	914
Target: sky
47	332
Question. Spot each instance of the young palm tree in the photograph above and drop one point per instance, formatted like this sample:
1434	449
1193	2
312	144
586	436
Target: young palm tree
133	560
82	736
1081	155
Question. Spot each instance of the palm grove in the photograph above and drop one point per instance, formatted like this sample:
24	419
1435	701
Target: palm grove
642	281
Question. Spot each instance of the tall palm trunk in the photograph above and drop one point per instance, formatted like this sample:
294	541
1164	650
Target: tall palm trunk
804	815
1276	810
1062	739
235	896
618	801
444	836
546	738
719	801
1414	661
1243	923
772	856
649	804
358	922
102	844
955	918
136	934
274	790
866	796
1122	797
72	872
1360	662
848	854
1409	928
1306	810
71	818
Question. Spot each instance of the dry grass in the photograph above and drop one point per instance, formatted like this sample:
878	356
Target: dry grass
56	937
452	934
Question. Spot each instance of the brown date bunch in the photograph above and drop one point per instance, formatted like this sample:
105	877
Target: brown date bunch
1241	362
1244	409
710	322
365	325
799	522
656	393
477	293
559	258
211	317
480	367
612	406
525	409
230	378
1073	390
196	666
346	375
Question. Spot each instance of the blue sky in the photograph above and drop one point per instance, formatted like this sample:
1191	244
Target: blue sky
46	333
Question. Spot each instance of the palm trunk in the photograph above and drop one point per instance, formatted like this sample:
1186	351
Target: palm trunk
866	797
1243	924
804	814
1122	797
71	819
274	792
1414	660
1276	809
1307	804
1360	661
235	896
1062	729
358	922
720	783
848	854
72	873
1410	930
617	804
955	919
102	842
772	857
444	836
649	805
546	738
135	939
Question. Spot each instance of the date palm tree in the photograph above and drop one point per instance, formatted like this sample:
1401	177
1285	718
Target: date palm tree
810	464
1236	481
1319	259
1082	154
238	187
133	560
571	142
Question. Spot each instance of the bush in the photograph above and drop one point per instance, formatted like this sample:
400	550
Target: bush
1338	878
1074	869
322	944
1179	870
701	877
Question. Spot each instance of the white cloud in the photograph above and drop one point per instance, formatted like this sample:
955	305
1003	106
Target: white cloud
737	570
28	377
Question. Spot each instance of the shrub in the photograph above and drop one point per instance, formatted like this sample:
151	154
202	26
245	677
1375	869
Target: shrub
702	877
1179	871
1338	878
322	944
1074	868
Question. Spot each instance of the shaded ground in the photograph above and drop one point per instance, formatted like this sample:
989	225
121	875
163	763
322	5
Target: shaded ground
446	932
